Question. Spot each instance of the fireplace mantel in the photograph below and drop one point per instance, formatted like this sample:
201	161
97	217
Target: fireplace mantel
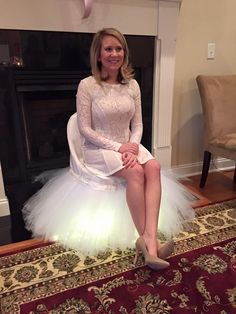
168	11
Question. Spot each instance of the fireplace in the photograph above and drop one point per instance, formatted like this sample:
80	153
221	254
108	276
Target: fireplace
44	116
37	97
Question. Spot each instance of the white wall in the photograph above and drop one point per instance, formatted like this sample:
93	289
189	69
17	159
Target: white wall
200	22
129	16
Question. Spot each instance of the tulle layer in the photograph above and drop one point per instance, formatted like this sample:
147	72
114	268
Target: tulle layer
79	217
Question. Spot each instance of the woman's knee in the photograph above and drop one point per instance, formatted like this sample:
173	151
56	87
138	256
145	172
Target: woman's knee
152	168
135	173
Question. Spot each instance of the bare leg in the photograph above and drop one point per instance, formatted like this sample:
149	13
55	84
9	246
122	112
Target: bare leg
143	199
135	194
152	204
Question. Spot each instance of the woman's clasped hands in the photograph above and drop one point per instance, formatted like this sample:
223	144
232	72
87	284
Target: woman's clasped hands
129	152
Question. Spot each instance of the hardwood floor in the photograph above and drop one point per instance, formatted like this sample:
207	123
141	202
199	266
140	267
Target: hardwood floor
219	187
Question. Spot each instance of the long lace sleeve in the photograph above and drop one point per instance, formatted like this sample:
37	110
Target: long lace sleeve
136	122
83	104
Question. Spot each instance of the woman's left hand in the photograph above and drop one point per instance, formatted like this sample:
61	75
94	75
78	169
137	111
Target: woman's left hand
129	160
129	147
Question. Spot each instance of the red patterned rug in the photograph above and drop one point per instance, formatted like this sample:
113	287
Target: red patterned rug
201	278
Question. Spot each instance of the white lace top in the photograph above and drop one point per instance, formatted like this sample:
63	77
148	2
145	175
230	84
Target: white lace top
108	116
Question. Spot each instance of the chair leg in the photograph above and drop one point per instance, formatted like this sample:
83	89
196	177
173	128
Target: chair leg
205	168
235	174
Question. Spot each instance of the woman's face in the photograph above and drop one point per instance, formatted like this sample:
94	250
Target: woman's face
111	55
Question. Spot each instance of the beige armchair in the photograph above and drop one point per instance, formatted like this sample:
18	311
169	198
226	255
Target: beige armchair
218	97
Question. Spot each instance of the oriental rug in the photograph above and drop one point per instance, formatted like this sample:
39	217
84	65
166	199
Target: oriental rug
201	278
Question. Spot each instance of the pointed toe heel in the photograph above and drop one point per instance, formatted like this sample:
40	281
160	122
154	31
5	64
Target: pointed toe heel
166	250
156	263
151	261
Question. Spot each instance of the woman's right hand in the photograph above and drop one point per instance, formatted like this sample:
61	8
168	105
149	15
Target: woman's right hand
129	147
129	160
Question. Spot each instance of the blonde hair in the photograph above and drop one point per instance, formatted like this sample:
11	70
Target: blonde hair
126	71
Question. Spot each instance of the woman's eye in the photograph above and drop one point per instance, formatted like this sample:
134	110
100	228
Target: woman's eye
108	49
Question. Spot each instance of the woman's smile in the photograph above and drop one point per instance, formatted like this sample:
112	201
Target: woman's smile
111	55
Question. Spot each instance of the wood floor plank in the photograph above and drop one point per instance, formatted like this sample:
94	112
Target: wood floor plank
4	249
219	187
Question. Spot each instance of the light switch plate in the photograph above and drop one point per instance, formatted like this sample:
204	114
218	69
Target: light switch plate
211	49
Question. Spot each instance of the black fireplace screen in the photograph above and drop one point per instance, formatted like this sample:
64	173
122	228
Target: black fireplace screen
44	117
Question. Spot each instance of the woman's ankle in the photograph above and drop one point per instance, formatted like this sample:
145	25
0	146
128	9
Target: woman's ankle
151	244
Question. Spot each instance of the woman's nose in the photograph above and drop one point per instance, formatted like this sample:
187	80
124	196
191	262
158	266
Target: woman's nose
113	52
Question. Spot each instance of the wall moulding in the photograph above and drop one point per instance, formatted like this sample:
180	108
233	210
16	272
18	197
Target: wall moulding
168	12
4	206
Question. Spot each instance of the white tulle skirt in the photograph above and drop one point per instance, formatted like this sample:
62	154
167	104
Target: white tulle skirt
89	220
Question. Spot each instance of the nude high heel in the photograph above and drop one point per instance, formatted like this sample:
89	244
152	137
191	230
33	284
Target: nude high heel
150	260
166	249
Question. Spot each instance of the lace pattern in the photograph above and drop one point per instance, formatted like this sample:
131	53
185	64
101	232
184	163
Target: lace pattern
109	115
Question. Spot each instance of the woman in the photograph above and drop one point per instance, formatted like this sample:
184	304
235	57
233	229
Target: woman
110	130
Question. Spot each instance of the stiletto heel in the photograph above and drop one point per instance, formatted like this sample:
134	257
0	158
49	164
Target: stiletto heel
135	257
166	249
151	261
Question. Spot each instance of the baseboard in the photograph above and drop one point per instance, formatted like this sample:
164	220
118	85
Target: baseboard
217	164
